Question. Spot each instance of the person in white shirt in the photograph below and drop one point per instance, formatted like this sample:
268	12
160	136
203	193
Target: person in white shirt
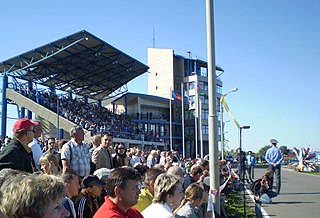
167	196
35	145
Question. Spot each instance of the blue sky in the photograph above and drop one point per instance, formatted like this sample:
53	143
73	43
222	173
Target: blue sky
268	49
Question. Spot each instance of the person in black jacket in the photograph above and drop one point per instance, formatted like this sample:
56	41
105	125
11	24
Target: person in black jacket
17	154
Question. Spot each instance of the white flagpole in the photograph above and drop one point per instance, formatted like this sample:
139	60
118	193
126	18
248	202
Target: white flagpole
182	112
195	120
200	127
170	121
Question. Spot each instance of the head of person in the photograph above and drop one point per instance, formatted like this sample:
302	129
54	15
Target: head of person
176	170
142	171
71	182
37	129
249	152
121	150
49	164
35	195
274	142
204	165
77	133
24	130
61	143
196	172
102	173
107	140
151	176
168	190
123	187
268	173
52	145
96	141
193	194
92	185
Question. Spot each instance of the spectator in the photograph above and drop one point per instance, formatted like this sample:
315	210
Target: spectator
101	156
152	159
35	145
167	196
52	146
39	195
121	159
251	162
75	155
122	187
136	157
18	155
176	170
266	192
147	192
71	183
194	176
86	203
96	141
192	200
49	164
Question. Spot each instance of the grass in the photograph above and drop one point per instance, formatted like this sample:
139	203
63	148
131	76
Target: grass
234	206
313	173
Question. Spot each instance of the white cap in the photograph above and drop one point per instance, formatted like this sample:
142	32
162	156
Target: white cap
273	141
102	173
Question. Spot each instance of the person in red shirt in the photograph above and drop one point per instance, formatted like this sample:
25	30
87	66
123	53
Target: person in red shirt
123	192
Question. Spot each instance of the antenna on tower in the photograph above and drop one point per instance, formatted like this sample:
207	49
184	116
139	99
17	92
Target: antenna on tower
189	54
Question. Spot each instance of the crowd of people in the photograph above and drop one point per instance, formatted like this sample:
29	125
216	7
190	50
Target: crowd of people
91	116
68	178
100	181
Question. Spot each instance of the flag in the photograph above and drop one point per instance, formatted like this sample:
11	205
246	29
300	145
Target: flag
201	91
176	95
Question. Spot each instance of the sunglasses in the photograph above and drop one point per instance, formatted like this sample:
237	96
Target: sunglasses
121	148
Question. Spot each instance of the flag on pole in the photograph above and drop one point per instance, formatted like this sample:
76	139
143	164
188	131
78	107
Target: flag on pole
176	95
201	91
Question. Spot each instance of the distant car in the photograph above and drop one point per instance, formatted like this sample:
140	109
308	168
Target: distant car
229	157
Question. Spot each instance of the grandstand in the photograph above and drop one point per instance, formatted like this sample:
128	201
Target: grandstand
66	82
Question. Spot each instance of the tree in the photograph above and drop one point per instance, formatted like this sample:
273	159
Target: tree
284	149
263	150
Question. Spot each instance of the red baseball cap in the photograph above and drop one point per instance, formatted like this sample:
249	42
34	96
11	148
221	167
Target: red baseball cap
23	124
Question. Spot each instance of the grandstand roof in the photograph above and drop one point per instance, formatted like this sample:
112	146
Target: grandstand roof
81	62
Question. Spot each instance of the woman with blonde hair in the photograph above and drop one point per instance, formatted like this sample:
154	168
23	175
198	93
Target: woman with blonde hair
167	196
192	201
49	164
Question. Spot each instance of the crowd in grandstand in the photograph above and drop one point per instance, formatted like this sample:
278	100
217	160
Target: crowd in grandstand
91	116
102	179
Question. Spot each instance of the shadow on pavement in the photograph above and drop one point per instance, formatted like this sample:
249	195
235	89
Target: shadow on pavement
293	202
301	193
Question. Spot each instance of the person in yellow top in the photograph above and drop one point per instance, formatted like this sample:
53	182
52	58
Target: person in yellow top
146	195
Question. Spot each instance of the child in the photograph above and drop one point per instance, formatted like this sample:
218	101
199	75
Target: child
266	192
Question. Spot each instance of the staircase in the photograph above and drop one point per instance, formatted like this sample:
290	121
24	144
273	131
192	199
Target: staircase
48	119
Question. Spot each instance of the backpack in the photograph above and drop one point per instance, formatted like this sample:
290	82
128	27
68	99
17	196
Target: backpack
255	187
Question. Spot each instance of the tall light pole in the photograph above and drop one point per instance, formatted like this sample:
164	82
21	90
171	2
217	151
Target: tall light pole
221	122
212	119
242	171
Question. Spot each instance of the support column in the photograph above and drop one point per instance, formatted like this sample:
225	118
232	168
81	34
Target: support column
29	113
22	112
4	106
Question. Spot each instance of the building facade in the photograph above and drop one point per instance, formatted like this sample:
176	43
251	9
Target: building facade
188	77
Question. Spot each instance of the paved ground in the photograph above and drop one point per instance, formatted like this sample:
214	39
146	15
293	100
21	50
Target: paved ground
299	197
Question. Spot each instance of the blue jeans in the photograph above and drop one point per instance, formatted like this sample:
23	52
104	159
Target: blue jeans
266	197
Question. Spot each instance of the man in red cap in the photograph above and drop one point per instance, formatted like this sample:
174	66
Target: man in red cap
17	155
